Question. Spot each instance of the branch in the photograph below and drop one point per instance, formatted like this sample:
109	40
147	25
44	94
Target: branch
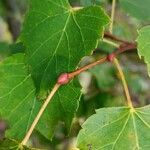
110	57
65	78
108	35
126	47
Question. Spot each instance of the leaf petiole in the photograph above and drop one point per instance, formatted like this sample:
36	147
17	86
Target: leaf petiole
28	134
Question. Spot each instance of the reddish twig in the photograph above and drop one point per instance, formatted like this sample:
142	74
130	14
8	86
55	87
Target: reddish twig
114	38
126	47
66	77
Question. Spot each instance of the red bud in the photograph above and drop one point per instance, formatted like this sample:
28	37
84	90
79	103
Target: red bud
111	57
63	79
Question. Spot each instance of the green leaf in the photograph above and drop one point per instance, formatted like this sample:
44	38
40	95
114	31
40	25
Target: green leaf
57	37
8	144
18	105
116	128
144	45
62	108
10	49
137	8
17	48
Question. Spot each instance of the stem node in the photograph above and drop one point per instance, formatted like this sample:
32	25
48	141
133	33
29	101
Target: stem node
63	79
111	57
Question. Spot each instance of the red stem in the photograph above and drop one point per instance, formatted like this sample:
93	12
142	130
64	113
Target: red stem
114	38
125	46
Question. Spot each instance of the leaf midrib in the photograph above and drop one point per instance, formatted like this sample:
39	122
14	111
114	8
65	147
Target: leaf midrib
122	117
59	41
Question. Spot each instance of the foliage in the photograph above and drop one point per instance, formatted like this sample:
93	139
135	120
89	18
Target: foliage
55	38
12	144
17	96
116	128
55	43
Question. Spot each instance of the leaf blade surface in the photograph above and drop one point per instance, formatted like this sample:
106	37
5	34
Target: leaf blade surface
116	128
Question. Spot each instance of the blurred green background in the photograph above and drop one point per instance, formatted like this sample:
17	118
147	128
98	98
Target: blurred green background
101	85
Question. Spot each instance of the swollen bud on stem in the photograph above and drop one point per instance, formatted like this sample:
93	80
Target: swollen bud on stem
63	79
111	57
